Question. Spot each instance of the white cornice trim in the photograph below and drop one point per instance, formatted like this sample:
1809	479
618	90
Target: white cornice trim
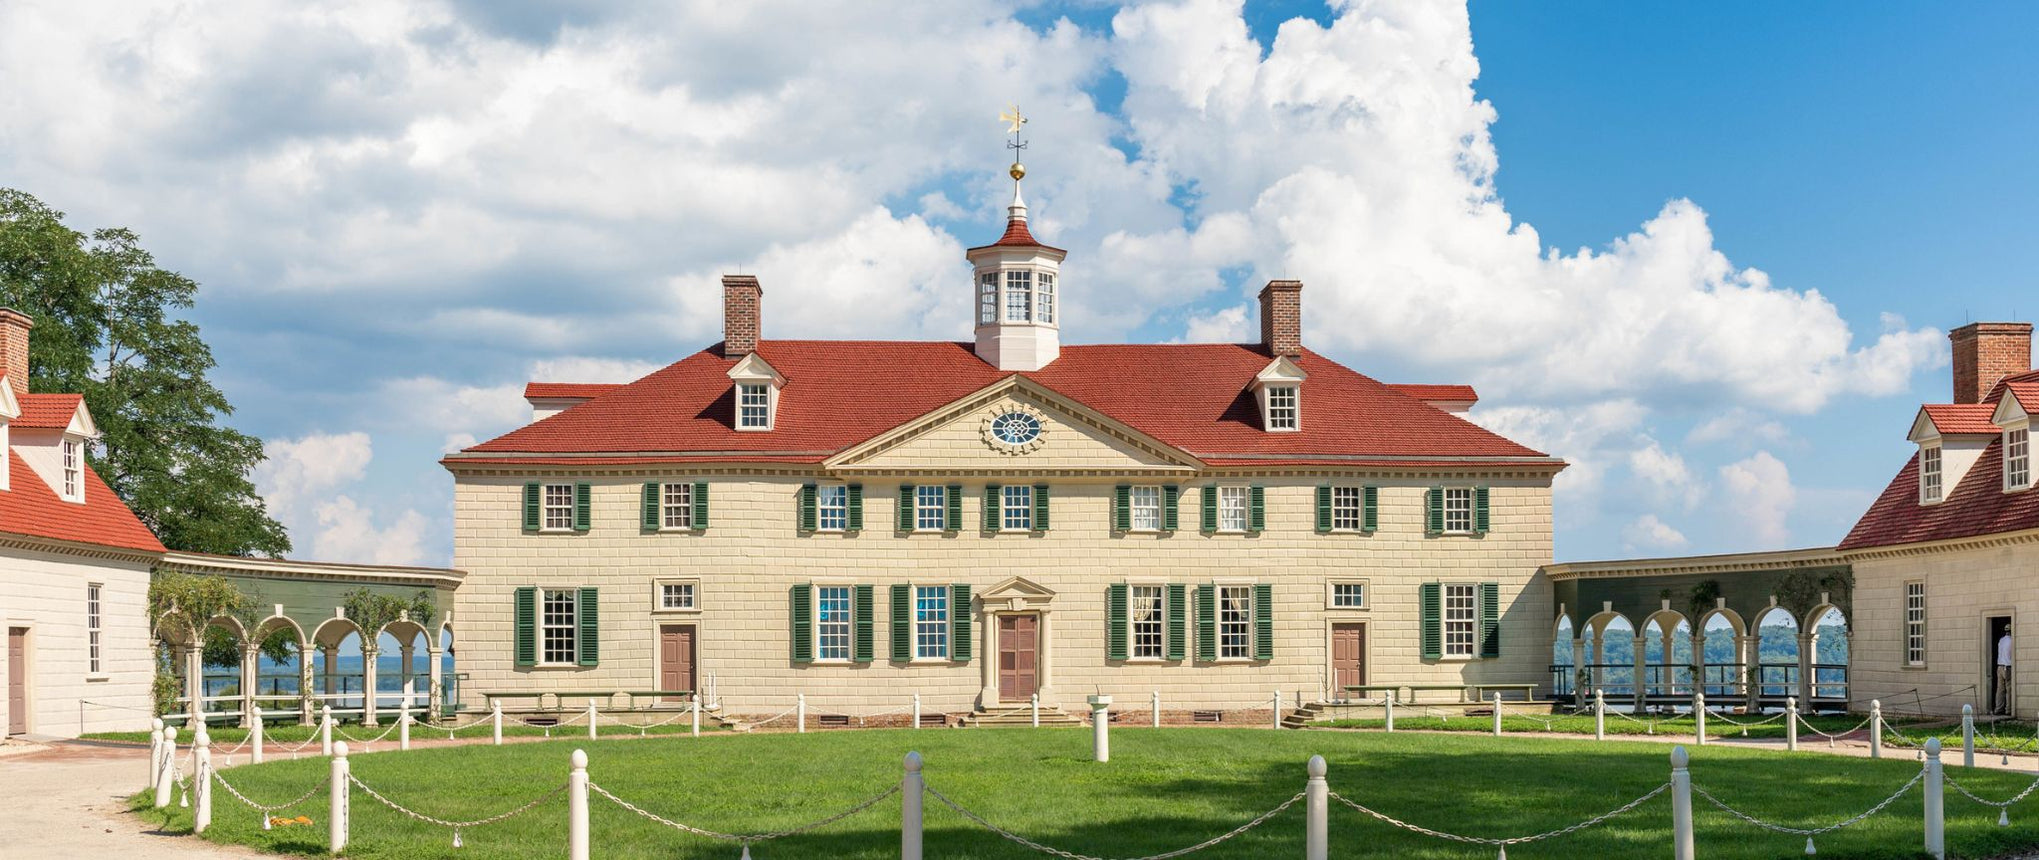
1984	541
279	568
1696	564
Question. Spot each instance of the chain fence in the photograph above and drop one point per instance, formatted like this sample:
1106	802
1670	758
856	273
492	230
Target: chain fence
1809	833
744	839
1071	855
455	826
1513	840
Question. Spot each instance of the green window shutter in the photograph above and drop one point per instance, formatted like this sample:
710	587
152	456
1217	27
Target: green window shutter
590	627
1206	623
1040	507
1370	510
991	508
809	517
1490	619
1115	621
902	623
700	505
959	622
1178	621
1433	632
652	517
1257	514
856	505
867	624
583	506
527	626
1479	510
1324	509
1210	509
1263	622
1171	496
906	507
1122	508
1435	523
531	493
803	623
954	521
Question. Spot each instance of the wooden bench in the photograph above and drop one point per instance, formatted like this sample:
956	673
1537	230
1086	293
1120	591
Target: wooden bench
548	701
1459	691
1484	692
1367	691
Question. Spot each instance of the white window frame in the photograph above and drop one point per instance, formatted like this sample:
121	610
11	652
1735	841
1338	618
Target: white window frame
1044	298
1331	594
753	406
546	626
1155	631
1143	507
1227	624
843	629
2017	458
693	594
922	508
1459	620
1235	501
1019	293
832	507
73	466
1284	407
547	506
931	637
676	506
95	667
1915	624
989	297
1348	508
1016	508
1932	475
1458	511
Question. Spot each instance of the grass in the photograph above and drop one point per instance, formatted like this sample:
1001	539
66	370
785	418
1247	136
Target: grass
1163	789
1617	724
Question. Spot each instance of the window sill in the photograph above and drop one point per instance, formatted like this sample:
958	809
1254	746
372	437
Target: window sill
677	530
675	610
97	679
558	531
1457	658
1914	667
557	666
931	661
1336	608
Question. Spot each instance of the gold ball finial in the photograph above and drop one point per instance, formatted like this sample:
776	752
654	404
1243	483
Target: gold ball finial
1018	171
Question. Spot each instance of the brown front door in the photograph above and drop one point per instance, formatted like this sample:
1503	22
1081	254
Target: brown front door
17	680
676	658
1348	657
1018	656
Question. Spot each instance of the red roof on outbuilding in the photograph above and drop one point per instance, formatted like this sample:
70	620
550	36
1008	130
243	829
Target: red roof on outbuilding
29	507
47	411
1976	506
1962	418
567	390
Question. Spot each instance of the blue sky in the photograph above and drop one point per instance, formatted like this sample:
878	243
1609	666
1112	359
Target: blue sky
1707	253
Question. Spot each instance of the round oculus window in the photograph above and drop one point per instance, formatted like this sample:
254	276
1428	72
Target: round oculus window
1015	428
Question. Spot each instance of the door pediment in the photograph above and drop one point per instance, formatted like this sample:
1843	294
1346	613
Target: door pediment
1017	594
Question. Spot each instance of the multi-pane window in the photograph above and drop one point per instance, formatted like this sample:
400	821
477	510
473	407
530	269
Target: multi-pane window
930	508
677	510
74	466
1929	473
1044	297
1458	509
2017	459
832	507
1461	617
92	665
1345	508
1146	508
556	630
1232	503
832	622
931	622
1019	296
1281	407
558	507
1016	509
1915	623
676	595
987	298
1235	621
1148	639
753	405
1348	595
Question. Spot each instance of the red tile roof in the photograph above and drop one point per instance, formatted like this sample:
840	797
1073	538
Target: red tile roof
1962	418
29	507
567	390
47	411
841	393
1437	393
1976	506
1017	235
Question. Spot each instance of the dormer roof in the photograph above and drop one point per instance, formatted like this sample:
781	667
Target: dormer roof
2016	404
754	368
1953	419
1281	370
64	412
10	406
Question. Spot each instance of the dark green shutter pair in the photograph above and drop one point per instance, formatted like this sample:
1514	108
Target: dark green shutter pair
1435	523
1369	508
803	623
654	506
810	508
959	623
583	507
1117	604
588	628
1488	623
907	500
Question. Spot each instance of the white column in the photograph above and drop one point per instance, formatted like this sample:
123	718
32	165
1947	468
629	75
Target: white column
251	679
194	683
255	736
166	772
577	807
304	686
1681	806
201	749
1316	812
336	808
1807	641
437	695
368	682
1100	728
1936	811
408	652
912	791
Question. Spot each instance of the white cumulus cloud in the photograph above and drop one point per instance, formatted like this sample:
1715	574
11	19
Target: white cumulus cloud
1652	534
1760	494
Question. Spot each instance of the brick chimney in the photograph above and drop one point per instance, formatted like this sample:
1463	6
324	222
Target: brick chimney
1281	317
14	326
1985	353
742	297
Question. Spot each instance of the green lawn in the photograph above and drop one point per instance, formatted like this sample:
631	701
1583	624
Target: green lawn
1163	789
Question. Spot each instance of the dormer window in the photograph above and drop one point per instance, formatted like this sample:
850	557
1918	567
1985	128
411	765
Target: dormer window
1282	408
1279	387
73	471
2017	459
1929	474
987	298
1019	296
757	393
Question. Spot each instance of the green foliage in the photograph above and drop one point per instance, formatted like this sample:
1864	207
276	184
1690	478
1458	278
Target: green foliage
105	327
164	689
1704	596
372	611
194	599
1800	590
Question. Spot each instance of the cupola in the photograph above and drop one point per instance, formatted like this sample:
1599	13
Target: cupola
1017	289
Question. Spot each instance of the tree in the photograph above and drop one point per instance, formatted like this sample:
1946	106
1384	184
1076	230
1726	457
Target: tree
106	327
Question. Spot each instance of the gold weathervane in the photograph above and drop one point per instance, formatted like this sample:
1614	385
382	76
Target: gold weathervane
1013	120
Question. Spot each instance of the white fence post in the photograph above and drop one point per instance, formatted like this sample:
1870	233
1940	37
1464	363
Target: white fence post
697	716
1277	710
256	741
912	793
1681	805
577	807
1388	701
201	748
403	727
1316	812
1154	719
1497	715
591	719
1791	723
336	809
1967	735
166	771
1034	705
1699	718
1100	728
1876	728
916	712
155	749
496	712
1599	716
1936	818
800	704
326	732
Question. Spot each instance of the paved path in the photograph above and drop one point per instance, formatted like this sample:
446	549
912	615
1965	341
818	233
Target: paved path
70	800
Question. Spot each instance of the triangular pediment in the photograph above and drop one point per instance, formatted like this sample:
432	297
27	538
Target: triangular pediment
1016	426
1018	586
2011	410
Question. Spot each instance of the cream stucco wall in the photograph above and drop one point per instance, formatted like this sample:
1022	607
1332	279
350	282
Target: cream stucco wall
46	593
1965	583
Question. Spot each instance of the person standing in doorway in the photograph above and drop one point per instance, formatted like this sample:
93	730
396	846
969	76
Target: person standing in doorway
2003	702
